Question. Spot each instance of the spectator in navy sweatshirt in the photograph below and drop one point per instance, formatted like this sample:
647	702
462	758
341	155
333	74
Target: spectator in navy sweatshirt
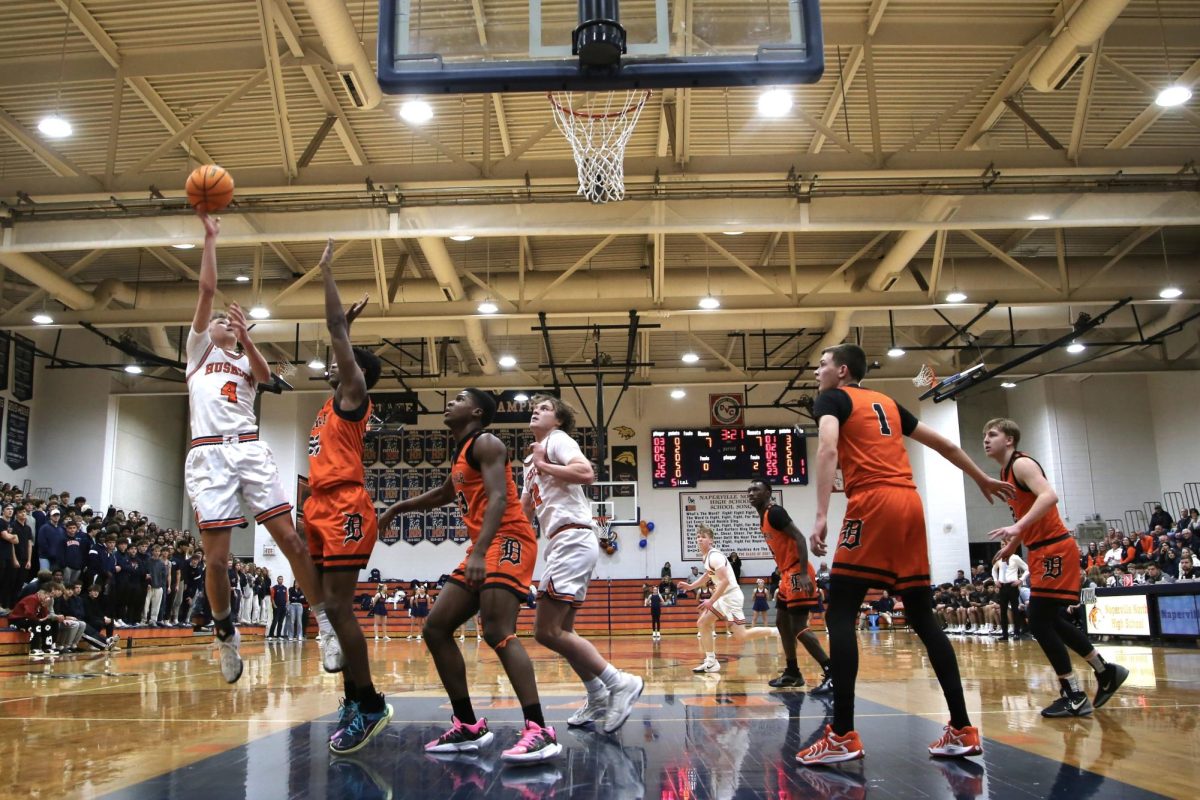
75	550
50	538
102	568
99	624
279	602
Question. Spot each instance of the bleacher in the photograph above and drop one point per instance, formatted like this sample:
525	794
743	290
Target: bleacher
15	642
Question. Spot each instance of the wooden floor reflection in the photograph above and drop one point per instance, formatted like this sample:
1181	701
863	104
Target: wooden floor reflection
137	722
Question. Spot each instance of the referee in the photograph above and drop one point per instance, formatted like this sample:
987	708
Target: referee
1008	574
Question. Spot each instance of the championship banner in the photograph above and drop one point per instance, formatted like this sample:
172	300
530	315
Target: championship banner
435	534
726	409
389	487
391	534
413	526
437	447
414	448
733	520
370	449
371	482
624	462
16	437
23	363
436	477
412	483
389	449
5	339
509	438
455	525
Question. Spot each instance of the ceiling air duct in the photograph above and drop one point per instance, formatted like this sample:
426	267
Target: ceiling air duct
354	70
1067	52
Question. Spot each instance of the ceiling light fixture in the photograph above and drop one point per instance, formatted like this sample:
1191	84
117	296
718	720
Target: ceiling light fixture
416	112
678	394
133	369
1008	385
1170	292
689	358
896	352
1038	216
775	103
462	237
259	312
1074	348
316	364
1173	96
521	397
55	126
42	318
732	233
506	361
956	297
184	246
242	279
708	302
487	307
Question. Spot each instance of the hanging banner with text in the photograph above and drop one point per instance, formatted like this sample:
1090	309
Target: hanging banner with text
23	362
5	339
733	520
16	437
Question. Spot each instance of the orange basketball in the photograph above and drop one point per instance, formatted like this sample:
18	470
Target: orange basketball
209	188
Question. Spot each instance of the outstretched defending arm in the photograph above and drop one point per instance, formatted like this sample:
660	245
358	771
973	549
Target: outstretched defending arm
352	386
990	487
430	499
208	274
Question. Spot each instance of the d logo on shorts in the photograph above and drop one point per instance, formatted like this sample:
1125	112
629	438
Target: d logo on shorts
851	536
352	527
510	551
1052	567
794	579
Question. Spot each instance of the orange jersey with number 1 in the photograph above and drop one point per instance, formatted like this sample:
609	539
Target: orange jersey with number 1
871	445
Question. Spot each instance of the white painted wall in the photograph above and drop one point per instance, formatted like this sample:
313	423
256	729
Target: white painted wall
1172	406
974	411
147	468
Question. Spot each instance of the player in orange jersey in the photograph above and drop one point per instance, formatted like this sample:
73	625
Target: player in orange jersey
1054	577
797	590
339	516
227	459
493	579
882	542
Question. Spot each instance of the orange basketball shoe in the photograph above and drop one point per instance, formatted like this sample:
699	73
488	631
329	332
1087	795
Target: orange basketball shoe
832	749
957	742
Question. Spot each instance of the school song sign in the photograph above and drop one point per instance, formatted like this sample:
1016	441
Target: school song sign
733	520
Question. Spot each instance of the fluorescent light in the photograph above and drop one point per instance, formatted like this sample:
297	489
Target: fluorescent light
42	318
775	103
896	352
521	397
690	358
678	394
488	307
955	297
506	361
462	237
1170	292
1038	217
316	364
416	112
133	369
733	233
184	246
242	279
1167	98
259	312
1076	347
709	302
55	127
1008	385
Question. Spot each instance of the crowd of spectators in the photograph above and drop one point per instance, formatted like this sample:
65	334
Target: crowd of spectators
1165	553
94	574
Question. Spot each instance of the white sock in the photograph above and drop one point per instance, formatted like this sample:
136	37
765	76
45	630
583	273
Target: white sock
710	656
595	688
323	623
610	676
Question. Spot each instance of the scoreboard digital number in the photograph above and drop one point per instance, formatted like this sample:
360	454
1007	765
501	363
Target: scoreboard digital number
683	458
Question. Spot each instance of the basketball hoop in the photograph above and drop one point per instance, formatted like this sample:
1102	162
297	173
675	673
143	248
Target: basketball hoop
925	377
598	126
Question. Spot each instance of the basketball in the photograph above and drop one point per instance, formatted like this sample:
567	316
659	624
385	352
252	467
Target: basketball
209	188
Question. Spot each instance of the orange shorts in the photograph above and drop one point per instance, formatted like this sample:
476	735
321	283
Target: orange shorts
882	542
792	596
341	527
1054	569
508	563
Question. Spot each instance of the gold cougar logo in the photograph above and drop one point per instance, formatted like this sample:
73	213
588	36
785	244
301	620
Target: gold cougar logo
627	458
624	431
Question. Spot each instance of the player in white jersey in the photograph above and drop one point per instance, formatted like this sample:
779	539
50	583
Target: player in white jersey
553	495
725	604
226	459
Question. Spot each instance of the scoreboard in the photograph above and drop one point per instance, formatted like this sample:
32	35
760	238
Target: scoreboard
683	458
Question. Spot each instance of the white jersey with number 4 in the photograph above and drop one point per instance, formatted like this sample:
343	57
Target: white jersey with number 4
717	566
221	389
556	502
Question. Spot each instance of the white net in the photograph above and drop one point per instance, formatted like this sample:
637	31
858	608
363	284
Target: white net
925	377
598	126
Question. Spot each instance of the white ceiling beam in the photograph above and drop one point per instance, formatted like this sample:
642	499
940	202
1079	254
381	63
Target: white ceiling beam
100	39
744	267
270	44
1122	249
569	271
1083	101
1011	262
55	161
381	279
994	108
841	89
939	258
1142	122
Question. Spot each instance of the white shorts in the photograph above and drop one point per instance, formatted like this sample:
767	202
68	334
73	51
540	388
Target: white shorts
216	473
728	607
570	558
